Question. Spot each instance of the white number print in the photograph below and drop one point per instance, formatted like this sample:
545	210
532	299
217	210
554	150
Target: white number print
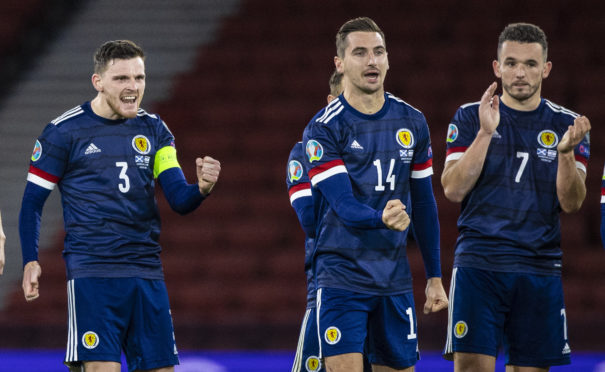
524	156
412	334
390	176
123	187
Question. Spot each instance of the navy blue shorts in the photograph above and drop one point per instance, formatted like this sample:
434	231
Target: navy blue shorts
523	313
307	351
388	323
108	315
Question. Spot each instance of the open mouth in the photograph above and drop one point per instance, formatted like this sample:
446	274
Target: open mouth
372	75
128	99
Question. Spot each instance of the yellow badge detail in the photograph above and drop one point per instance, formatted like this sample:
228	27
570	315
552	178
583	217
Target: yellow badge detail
332	335
547	138
165	158
405	138
312	364
460	329
141	144
90	340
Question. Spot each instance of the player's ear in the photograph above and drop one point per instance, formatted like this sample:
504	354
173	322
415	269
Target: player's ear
97	83
496	67
338	64
547	68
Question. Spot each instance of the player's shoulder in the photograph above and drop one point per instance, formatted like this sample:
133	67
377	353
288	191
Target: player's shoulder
399	103
297	150
470	107
467	112
330	113
141	113
149	117
70	116
556	109
152	119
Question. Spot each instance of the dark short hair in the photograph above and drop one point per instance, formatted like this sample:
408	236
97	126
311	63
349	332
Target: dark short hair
364	24
523	33
115	49
336	83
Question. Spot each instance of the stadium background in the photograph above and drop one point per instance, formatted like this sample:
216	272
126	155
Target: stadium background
239	80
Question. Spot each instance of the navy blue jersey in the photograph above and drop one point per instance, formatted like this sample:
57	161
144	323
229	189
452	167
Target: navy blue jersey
510	220
105	172
299	190
379	153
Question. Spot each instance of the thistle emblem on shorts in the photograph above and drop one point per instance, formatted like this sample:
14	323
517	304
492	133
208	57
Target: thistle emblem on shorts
332	335
90	340
460	329
312	364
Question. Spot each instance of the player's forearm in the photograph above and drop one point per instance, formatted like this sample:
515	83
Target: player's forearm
338	191
460	176
571	189
425	222
182	197
30	216
304	210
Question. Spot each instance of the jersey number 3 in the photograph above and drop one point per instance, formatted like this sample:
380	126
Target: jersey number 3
125	186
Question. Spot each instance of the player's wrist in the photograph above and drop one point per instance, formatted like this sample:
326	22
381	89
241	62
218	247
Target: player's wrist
564	151
31	264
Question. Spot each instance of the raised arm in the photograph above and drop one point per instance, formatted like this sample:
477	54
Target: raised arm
459	176
182	196
571	188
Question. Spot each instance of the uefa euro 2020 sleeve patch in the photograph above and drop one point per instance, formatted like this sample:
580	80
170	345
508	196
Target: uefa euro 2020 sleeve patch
37	153
315	150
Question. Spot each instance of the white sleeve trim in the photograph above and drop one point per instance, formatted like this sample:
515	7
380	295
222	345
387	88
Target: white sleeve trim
299	194
422	173
327	174
454	156
581	166
40	181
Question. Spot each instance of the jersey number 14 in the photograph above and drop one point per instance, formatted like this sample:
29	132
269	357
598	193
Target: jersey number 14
390	176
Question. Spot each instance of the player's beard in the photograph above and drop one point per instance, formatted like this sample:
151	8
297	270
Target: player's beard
524	95
116	106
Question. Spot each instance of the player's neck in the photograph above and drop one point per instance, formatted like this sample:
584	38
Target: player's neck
363	102
101	108
529	104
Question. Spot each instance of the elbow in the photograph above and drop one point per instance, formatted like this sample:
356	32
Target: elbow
571	207
453	195
181	209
